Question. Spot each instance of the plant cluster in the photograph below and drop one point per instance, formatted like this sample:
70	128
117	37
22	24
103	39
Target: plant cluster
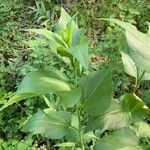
81	112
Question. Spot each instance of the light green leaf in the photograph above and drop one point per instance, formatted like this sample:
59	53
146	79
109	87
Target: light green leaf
123	139
141	63
50	79
71	34
97	90
80	52
63	21
131	68
75	39
53	37
53	125
138	42
129	65
113	118
42	82
142	129
135	106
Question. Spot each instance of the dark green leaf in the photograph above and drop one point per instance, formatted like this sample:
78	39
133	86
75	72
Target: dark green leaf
97	90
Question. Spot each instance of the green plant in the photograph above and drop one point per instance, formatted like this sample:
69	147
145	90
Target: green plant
84	112
44	11
40	10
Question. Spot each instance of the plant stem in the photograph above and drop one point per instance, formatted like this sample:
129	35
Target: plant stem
78	110
139	81
80	130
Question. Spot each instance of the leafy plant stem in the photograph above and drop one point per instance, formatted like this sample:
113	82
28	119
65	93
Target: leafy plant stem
80	130
77	109
139	80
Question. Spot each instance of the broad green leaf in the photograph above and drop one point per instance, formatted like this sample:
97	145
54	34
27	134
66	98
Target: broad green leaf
97	90
135	106
142	129
129	65
138	42
113	118
42	82
123	139
119	115
53	125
